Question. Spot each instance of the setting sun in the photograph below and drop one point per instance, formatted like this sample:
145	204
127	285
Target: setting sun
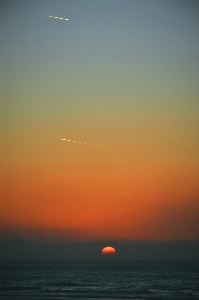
108	250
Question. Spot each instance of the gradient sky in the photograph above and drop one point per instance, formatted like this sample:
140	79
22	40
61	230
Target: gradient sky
119	74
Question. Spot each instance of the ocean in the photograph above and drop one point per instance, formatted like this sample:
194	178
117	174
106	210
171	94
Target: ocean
99	279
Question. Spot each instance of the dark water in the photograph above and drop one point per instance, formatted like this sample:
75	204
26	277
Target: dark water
100	279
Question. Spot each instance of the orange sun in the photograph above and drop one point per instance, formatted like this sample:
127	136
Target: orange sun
108	250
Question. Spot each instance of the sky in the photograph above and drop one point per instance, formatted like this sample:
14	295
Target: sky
99	120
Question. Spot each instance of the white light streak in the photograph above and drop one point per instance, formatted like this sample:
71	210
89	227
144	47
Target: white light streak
55	17
85	143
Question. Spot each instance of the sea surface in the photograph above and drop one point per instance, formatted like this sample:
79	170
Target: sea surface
99	279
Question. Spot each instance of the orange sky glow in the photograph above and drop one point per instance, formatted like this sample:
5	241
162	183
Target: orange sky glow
128	85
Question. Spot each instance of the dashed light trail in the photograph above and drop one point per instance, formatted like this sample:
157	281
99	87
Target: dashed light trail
54	17
85	143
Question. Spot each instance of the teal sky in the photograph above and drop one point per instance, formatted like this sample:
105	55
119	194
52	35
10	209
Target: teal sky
124	57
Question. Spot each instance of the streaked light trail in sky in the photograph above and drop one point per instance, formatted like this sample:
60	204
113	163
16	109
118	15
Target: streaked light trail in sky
85	143
54	17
